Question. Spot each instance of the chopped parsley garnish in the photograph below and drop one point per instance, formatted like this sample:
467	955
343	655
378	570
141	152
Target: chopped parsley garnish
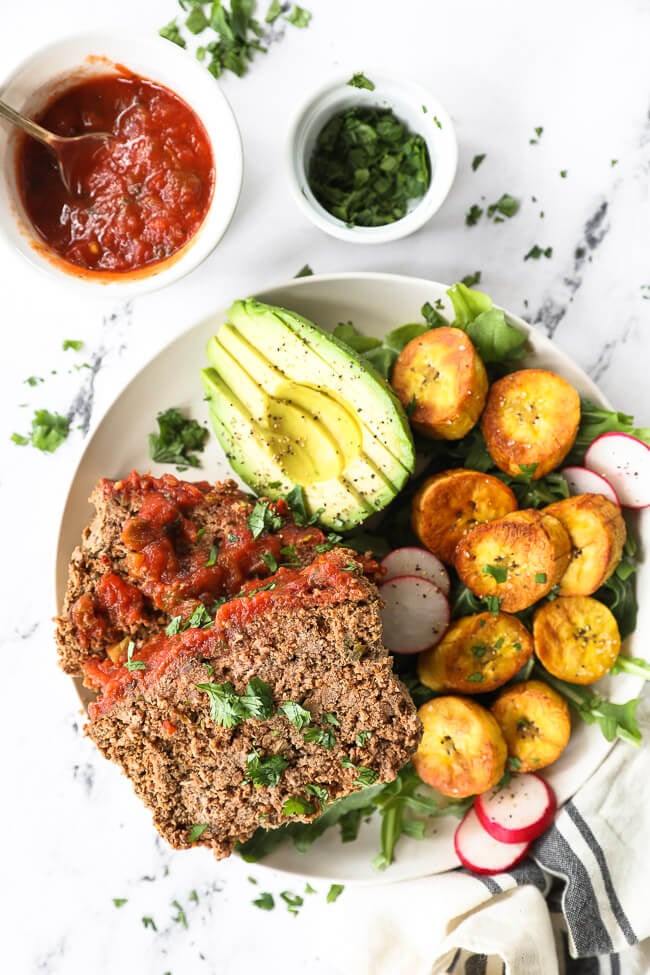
498	572
563	173
265	901
350	567
212	557
229	709
273	12
267	771
34	380
536	252
263	518
199	618
299	17
296	501
177	439
334	892
232	538
75	344
270	561
411	406
298	806
120	901
304	272
289	555
319	792
332	540
196	832
359	80
148	922
365	776
540	577
130	663
367	166
363	737
475	678
171	33
48	432
296	714
180	917
320	736
478	650
477	160
473	215
469	281
293	901
505	206
309	889
437	122
538	132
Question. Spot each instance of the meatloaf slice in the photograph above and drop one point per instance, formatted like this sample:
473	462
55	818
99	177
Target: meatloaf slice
313	635
157	548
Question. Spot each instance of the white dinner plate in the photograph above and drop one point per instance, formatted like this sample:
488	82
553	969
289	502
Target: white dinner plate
375	303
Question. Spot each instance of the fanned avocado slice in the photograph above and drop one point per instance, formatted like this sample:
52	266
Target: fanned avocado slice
292	405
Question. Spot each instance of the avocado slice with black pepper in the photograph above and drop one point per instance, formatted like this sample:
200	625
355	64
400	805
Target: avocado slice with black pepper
291	405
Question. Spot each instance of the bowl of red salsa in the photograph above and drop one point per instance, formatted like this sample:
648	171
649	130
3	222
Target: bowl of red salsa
152	201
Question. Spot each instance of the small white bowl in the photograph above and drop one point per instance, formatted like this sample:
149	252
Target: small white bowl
413	105
71	60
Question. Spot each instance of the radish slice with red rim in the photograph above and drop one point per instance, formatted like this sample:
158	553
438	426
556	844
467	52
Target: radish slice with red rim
413	561
583	481
480	852
415	614
520	811
625	462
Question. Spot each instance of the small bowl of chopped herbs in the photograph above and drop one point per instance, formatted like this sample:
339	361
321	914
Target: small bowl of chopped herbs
371	159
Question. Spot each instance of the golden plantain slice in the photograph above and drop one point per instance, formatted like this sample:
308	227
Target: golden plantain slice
576	638
462	751
530	421
440	376
477	654
535	722
597	531
518	558
451	503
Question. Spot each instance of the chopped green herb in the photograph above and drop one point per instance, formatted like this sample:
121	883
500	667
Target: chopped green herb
199	618
614	162
319	792
470	280
293	901
475	678
264	772
631	665
273	12
265	901
171	33
48	432
299	17
330	718
536	252
34	380
75	344
270	561
180	917
232	538
498	572
365	776
196	832
320	736
478	650
258	699
411	406
251	880
296	714
350	567
359	80
226	708
363	737
473	215
263	518
477	160
304	272
200	533
297	806
309	889
174	626
212	558
528	469
615	720
538	132
563	173
334	892
193	896
367	166
506	206
493	604
540	577
130	663
120	901
437	121
148	922
196	21
176	439
289	555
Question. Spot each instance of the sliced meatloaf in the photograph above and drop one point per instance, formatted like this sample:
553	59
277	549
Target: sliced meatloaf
157	548
312	638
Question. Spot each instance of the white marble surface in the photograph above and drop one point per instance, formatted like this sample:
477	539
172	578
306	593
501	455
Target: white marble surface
74	836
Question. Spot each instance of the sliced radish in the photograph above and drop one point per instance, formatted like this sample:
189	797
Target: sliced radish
415	614
413	561
480	852
519	812
583	481
625	462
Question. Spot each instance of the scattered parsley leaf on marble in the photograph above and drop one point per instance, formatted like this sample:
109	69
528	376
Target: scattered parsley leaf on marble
473	215
477	160
265	901
536	252
48	432
304	272
273	12
299	17
334	893
75	344
120	901
471	279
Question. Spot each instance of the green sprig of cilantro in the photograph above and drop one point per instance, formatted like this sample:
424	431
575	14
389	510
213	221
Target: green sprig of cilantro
177	440
48	432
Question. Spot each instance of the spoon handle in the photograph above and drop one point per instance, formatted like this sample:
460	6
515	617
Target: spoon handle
26	124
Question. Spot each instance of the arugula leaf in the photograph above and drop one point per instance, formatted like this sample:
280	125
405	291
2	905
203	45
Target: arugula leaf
615	720
346	332
636	666
494	338
264	772
618	592
594	421
177	437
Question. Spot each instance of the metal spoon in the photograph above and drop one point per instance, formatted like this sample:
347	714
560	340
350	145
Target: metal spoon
68	150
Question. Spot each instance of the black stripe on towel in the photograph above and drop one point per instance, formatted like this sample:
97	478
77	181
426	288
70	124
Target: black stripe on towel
488	882
596	849
527	872
579	901
616	964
